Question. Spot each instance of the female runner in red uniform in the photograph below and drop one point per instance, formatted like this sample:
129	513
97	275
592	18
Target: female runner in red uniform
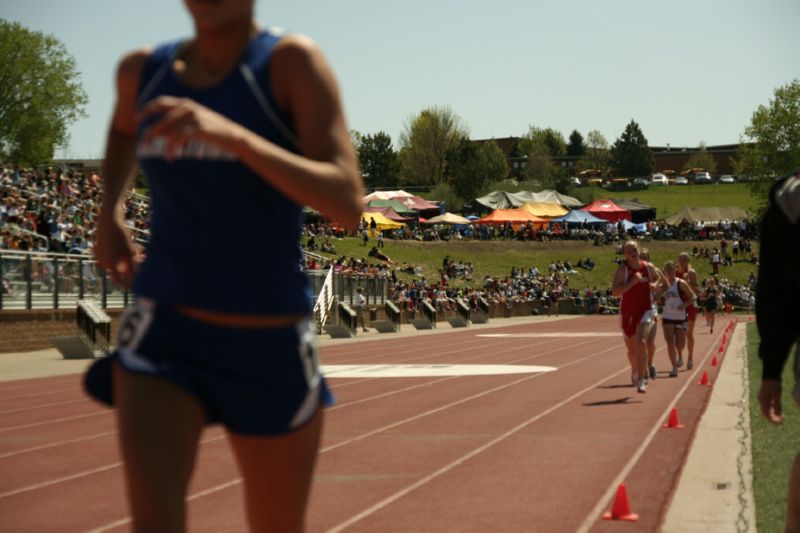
634	281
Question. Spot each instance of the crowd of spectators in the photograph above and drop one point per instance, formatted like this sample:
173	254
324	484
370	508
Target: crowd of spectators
51	209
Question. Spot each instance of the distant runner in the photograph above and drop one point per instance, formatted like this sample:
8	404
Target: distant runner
678	297
689	275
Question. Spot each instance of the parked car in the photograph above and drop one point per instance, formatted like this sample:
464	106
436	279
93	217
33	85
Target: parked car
575	182
618	184
727	178
702	178
659	179
641	183
680	180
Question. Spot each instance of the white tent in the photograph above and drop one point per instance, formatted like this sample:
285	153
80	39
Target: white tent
387	195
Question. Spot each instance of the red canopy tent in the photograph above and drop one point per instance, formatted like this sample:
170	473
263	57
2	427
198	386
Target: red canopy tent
607	210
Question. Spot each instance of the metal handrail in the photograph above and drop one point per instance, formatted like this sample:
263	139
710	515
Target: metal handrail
51	288
324	301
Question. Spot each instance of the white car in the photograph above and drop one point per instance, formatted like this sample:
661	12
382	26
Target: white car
680	180
727	178
659	179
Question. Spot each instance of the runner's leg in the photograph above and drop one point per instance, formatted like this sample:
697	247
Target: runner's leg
277	474
159	427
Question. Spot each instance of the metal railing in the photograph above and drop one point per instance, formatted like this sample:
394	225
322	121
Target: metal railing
324	301
40	280
36	280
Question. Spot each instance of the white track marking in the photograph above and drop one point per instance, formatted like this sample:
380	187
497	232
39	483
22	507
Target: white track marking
42	405
556	335
60	443
77	475
432	370
55	421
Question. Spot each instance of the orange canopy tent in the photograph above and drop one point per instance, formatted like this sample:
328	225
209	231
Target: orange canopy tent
514	216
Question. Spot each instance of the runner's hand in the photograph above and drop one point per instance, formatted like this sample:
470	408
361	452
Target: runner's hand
114	250
181	120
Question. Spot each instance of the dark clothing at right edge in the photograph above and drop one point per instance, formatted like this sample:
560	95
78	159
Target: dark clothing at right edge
778	292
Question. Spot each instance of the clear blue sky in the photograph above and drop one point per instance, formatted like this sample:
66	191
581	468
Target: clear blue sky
686	70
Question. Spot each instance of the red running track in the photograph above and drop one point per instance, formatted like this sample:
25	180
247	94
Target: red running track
514	452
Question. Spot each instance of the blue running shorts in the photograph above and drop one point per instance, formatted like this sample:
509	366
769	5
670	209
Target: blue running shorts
253	381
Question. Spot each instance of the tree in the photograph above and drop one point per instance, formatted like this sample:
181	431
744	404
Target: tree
702	159
425	143
597	156
474	165
378	160
550	138
631	154
770	145
576	147
40	94
539	166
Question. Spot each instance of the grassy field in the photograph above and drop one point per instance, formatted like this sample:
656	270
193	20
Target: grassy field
496	258
671	199
774	447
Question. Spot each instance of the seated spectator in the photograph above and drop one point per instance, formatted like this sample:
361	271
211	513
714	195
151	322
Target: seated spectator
327	247
374	252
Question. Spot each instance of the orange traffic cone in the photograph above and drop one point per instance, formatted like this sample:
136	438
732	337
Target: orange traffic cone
704	379
621	509
721	348
673	422
714	361
725	338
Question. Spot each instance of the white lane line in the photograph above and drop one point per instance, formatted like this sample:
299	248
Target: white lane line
41	406
55	481
36	394
429	370
56	421
597	510
77	475
59	443
556	335
425	352
127	520
414	486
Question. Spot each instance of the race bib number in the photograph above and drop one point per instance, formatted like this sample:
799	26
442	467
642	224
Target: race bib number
134	324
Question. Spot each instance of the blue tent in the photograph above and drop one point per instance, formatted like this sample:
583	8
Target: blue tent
576	217
640	228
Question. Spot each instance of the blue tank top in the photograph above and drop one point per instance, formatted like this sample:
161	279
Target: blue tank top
221	238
